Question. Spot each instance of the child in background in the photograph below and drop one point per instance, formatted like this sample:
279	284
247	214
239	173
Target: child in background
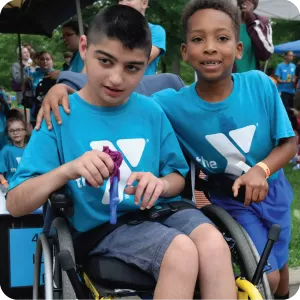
11	154
271	74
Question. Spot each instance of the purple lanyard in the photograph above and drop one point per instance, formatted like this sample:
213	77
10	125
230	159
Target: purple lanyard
114	199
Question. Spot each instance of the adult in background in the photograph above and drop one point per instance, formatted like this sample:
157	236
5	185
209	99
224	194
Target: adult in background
256	35
67	57
158	35
16	83
285	75
71	35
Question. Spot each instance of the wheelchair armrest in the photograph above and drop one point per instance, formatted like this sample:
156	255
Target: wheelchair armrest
61	201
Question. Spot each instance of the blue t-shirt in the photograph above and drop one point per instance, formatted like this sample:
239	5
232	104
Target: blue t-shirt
10	157
286	72
244	127
159	41
139	129
77	63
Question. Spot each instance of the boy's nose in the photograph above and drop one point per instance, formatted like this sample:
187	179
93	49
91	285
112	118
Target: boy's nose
116	79
210	50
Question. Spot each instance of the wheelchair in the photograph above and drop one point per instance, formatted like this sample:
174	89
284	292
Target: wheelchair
101	277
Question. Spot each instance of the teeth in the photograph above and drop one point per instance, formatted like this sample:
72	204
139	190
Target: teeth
211	63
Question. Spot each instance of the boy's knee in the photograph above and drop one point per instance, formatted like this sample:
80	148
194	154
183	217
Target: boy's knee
210	241
274	278
181	255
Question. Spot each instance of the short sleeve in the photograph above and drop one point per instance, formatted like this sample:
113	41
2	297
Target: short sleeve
3	165
40	156
280	124
171	157
159	38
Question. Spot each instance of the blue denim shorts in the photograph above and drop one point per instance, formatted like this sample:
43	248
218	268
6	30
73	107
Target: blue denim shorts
257	219
145	244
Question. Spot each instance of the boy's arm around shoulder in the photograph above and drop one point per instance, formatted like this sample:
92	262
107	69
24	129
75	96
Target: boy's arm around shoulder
39	174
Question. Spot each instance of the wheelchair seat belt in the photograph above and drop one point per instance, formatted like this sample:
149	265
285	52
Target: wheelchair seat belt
87	241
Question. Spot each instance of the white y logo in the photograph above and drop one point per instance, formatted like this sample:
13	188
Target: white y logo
18	159
243	137
133	150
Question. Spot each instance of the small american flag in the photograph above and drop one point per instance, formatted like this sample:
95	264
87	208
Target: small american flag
201	199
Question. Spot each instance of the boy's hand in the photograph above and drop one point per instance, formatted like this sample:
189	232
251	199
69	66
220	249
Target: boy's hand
256	185
53	75
149	187
95	166
247	9
57	95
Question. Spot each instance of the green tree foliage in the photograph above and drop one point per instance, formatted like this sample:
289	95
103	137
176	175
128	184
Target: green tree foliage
166	13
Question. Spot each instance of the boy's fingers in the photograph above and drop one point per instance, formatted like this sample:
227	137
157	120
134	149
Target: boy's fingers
93	170
89	178
56	114
140	190
132	178
66	104
148	194
107	161
130	190
157	192
248	196
39	118
255	195
100	165
236	186
47	116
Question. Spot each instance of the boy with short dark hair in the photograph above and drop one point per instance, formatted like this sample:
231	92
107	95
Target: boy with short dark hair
179	249
235	124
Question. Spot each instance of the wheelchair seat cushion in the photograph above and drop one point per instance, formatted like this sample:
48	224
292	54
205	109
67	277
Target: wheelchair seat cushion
114	273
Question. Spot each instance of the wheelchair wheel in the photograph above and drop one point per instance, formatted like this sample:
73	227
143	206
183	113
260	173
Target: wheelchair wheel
264	280
62	240
244	254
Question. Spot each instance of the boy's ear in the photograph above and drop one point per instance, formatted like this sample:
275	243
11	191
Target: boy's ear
239	50
145	3
184	54
83	46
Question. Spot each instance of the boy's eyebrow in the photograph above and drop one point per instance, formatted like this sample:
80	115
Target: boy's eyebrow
105	53
217	29
142	63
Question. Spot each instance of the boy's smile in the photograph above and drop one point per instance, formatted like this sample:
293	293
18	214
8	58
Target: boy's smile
211	45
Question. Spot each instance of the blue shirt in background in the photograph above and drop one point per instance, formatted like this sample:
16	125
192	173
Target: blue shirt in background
159	41
10	157
245	127
76	64
139	129
286	72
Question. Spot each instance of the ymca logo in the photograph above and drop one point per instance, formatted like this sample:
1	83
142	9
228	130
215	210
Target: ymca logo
242	137
18	160
132	150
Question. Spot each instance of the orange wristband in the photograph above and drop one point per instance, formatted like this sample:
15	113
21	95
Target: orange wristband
265	168
4	181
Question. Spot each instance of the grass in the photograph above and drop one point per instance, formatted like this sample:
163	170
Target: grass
294	179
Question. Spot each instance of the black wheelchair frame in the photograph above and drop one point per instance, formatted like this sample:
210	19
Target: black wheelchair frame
105	277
